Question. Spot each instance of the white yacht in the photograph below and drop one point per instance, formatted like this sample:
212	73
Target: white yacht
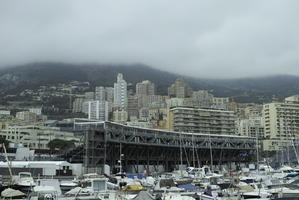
24	179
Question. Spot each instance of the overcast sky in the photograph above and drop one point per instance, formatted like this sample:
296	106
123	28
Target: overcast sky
202	38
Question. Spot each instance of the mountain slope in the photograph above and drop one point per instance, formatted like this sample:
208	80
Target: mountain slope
16	79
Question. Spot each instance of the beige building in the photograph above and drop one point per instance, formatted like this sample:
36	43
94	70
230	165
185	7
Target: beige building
281	122
253	127
253	111
120	116
198	120
274	144
180	89
26	116
151	101
133	111
145	88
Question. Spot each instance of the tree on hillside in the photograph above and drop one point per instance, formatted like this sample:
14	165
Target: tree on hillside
58	144
3	141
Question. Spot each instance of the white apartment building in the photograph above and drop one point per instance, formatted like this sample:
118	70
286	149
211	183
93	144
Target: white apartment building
35	137
98	110
4	112
37	111
120	92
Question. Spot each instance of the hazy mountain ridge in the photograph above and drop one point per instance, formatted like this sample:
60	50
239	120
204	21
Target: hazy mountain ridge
30	76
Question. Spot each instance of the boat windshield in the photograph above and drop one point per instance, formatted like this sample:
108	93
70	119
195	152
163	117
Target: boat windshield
23	175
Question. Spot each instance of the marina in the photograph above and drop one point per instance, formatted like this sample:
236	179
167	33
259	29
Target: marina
188	178
193	183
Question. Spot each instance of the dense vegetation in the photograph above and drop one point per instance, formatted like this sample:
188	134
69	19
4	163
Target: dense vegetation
60	145
3	141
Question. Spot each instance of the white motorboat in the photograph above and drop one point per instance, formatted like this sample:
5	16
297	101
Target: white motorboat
24	179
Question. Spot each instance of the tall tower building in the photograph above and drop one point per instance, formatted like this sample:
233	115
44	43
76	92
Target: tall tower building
120	92
145	88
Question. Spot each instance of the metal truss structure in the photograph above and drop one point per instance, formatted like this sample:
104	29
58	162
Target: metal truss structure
108	142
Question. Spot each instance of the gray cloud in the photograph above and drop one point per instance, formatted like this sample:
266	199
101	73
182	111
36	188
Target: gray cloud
200	38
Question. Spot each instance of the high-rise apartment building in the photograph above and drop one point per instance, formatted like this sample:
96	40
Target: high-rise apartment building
180	89
199	120
145	88
120	92
98	110
281	124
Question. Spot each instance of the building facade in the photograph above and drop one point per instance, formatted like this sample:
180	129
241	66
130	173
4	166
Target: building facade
35	137
199	120
26	116
180	89
281	121
100	94
145	88
98	110
253	127
120	92
281	125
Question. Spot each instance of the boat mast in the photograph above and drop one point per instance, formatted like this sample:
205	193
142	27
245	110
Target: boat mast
193	153
257	150
211	152
181	154
8	163
294	147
